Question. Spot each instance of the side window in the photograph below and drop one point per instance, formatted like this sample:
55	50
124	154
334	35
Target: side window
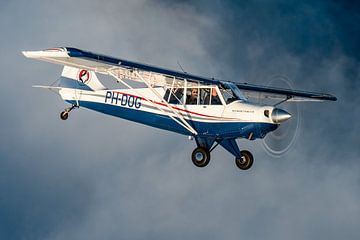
204	96
166	96
215	100
192	95
176	96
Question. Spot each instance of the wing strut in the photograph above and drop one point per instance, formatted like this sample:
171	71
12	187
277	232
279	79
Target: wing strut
181	121
282	101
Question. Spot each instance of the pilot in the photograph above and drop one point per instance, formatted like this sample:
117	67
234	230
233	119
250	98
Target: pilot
215	100
192	99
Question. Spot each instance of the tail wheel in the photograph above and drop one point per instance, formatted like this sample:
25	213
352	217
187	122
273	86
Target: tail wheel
64	115
245	161
200	157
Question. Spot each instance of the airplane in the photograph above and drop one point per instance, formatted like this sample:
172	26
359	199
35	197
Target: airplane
213	112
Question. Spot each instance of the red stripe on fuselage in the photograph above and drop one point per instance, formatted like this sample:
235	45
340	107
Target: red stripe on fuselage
180	109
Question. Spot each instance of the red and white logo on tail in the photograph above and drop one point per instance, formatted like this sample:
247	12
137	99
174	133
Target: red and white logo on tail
83	77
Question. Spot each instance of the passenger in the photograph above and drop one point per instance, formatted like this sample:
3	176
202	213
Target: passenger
192	99
215	100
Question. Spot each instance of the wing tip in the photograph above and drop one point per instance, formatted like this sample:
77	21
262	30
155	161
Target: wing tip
50	52
26	53
333	98
327	97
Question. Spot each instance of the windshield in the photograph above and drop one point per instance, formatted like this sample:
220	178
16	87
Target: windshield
231	92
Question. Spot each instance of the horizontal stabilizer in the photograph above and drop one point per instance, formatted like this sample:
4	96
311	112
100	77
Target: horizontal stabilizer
51	88
47	87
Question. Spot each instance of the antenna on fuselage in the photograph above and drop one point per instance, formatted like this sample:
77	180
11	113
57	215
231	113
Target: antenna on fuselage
180	66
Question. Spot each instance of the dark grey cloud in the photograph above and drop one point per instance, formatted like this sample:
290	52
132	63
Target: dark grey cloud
96	176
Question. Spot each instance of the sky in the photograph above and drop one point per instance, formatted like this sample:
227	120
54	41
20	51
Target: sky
99	177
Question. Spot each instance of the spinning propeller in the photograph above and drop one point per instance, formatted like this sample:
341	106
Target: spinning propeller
280	140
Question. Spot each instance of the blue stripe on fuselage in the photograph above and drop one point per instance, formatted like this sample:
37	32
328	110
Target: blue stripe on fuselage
205	129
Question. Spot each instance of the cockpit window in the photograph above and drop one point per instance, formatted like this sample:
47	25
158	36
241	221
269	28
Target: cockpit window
204	96
228	95
231	92
176	95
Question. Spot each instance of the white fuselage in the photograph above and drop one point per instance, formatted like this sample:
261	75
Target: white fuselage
239	118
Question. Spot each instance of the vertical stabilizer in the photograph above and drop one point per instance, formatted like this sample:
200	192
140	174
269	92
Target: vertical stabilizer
72	77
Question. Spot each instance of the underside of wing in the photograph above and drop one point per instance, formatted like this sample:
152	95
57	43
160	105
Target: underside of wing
112	66
64	56
272	93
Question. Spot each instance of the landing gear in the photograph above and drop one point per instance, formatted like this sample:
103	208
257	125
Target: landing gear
65	114
200	157
245	161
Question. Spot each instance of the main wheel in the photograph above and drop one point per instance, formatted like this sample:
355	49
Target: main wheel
64	115
200	157
245	161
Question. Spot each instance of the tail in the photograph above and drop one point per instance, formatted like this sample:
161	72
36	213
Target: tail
81	79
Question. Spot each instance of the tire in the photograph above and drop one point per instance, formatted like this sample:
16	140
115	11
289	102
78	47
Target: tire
64	115
246	161
200	157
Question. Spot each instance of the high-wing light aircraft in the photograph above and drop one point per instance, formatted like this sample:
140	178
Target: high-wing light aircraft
213	112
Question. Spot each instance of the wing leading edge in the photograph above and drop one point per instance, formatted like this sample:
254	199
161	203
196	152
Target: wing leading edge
103	64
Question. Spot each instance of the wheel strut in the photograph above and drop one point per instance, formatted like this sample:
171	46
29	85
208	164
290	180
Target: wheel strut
65	114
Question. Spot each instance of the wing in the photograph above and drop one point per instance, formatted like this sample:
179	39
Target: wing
256	91
105	65
124	69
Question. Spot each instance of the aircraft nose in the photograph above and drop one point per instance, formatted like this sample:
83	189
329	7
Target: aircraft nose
279	115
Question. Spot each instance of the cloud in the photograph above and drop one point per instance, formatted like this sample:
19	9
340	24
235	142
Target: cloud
95	176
